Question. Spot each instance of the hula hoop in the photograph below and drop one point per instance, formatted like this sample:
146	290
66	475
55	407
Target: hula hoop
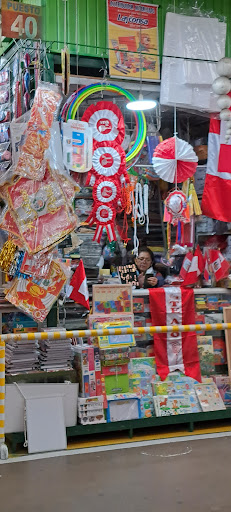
73	103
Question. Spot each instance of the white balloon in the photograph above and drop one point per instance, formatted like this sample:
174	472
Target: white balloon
221	85
224	67
225	115
224	101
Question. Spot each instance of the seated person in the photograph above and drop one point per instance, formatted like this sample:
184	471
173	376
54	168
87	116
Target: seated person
147	276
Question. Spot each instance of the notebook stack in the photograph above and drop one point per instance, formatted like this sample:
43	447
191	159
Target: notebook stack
55	354
21	356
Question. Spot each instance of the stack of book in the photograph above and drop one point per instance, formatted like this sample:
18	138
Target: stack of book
55	354
21	356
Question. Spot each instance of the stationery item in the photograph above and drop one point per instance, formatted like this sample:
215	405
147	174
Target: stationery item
128	274
138	305
209	397
171	406
223	384
113	340
206	354
123	406
112	299
77	146
219	348
90	410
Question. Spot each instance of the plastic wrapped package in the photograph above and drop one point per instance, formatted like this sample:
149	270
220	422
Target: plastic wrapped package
41	211
31	161
35	299
4	133
199	39
38	265
4	76
4	94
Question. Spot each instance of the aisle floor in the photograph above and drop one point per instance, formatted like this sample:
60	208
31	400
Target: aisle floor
188	476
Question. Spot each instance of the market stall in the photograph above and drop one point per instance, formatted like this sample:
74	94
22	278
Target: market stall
115	240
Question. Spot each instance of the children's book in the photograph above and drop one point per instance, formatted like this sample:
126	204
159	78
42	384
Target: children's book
209	397
171	406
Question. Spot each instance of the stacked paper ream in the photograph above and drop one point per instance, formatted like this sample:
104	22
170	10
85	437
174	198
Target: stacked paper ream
187	83
21	356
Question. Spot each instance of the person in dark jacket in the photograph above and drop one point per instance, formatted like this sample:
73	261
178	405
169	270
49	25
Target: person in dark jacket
147	276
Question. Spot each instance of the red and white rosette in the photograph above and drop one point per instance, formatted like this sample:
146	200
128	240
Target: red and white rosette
104	216
106	121
108	159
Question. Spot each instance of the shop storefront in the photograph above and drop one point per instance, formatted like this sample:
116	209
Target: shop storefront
115	226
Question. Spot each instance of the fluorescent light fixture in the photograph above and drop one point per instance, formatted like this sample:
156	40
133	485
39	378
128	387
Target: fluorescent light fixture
141	104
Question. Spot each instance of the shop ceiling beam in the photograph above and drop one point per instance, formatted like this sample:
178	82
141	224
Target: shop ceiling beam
129	84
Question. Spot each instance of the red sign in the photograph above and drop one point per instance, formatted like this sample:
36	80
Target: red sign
21	21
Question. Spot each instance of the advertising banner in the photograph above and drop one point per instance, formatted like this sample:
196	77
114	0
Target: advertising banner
133	40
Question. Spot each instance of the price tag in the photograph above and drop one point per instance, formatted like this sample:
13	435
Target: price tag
21	21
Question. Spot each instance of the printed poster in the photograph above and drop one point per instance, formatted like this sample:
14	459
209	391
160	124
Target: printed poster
133	28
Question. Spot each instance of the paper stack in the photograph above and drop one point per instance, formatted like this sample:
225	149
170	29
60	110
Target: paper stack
55	354
192	46
21	356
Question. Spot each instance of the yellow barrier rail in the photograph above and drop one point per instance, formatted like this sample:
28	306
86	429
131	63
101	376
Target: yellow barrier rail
82	333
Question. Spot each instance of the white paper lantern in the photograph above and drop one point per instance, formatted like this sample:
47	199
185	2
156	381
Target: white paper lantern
221	85
224	67
225	115
228	131
224	101
228	124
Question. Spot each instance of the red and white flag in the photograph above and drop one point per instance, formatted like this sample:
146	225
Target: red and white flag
220	266
78	290
217	189
196	268
173	350
186	264
206	269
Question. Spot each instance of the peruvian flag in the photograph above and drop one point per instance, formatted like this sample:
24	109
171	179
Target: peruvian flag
206	269
217	190
186	264
220	265
78	290
174	350
196	268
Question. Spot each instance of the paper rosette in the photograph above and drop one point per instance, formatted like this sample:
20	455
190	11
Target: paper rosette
106	121
174	160
108	159
106	191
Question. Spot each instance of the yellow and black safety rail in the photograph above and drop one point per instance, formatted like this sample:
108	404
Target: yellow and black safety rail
85	333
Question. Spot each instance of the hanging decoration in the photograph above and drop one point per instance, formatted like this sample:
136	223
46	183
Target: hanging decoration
75	100
108	174
174	160
106	122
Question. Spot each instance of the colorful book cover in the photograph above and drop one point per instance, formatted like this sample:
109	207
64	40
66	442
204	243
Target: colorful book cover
171	406
209	397
219	348
223	383
144	366
206	354
138	304
200	319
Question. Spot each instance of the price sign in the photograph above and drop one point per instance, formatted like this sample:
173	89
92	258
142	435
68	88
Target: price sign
21	21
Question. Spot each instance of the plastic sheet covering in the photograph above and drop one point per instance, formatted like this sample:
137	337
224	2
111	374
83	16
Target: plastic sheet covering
200	40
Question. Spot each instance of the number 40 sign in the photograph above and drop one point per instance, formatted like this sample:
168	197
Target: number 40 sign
20	21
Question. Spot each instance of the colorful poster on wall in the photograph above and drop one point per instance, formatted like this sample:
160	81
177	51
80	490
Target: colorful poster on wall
133	40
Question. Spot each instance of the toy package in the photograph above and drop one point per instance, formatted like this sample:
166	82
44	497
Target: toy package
90	410
77	146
